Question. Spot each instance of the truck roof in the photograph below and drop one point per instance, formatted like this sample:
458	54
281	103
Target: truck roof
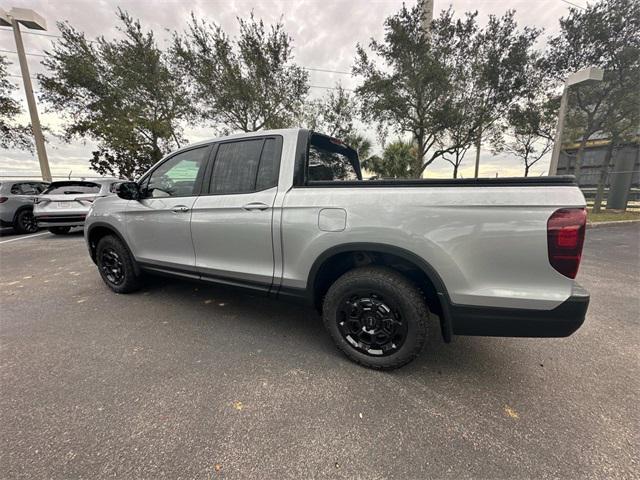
259	133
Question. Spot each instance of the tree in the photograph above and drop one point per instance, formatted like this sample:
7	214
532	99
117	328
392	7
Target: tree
463	125
447	86
530	131
248	83
12	134
604	34
363	147
399	160
498	70
121	93
333	115
621	127
410	93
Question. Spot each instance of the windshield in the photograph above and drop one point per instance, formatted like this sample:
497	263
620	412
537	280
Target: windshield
72	188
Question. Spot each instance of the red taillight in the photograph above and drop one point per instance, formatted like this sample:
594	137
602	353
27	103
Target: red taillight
3	199
565	238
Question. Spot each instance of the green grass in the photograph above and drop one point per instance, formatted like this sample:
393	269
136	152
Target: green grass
612	215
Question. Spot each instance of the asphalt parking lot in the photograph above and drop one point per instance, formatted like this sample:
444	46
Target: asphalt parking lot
186	380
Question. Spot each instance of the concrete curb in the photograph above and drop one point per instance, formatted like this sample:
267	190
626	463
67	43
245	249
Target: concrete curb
610	224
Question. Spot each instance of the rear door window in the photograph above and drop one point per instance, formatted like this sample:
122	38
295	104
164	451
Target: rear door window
246	166
23	189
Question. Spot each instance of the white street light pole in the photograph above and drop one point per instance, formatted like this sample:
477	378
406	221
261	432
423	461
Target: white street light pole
29	19
589	74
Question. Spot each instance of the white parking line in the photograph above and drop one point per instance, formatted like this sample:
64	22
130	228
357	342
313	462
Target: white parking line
24	238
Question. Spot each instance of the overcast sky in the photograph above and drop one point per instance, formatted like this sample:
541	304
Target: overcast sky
325	33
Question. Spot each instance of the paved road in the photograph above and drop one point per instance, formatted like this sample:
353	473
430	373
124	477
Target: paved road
184	380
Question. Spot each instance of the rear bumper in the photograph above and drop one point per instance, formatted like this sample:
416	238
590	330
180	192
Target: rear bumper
60	220
561	321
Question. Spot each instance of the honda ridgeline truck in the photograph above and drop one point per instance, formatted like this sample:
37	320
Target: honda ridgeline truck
286	212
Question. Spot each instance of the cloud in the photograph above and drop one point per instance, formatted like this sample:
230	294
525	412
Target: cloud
325	33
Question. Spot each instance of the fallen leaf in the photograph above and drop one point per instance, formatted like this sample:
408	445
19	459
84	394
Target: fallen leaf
511	412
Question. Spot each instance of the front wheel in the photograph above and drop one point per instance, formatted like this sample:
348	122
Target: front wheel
25	222
377	317
116	265
59	230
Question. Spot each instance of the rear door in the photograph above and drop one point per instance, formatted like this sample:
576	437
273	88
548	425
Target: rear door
158	224
231	223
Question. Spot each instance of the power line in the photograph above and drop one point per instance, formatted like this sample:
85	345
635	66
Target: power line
310	86
26	53
573	4
20	76
329	88
32	33
313	69
323	70
327	71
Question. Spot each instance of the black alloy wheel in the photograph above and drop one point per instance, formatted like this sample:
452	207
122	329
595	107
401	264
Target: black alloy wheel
26	222
112	266
371	324
376	316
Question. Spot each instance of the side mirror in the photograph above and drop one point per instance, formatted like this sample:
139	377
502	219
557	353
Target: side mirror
129	191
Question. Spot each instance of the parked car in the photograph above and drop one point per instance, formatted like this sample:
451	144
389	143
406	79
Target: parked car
65	204
16	203
285	212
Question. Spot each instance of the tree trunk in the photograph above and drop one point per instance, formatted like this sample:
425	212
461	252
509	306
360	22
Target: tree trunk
419	166
455	171
579	154
597	203
526	170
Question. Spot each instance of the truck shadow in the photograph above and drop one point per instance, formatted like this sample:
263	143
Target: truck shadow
299	328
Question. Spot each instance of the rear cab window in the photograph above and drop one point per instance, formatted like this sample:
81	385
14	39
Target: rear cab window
72	188
330	160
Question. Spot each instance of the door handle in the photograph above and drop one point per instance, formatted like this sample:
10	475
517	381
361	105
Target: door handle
180	209
255	206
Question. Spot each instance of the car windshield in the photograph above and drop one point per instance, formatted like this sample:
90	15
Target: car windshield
72	188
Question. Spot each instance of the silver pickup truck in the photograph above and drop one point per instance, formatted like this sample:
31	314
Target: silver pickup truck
286	212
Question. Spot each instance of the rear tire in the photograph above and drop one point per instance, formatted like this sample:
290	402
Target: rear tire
116	265
60	230
377	317
25	222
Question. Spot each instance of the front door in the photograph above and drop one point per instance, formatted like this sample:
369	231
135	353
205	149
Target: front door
158	224
231	223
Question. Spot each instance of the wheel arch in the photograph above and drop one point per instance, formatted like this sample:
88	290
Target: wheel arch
20	209
99	230
337	260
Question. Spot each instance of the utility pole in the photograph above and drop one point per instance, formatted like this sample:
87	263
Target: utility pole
427	15
29	19
478	147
